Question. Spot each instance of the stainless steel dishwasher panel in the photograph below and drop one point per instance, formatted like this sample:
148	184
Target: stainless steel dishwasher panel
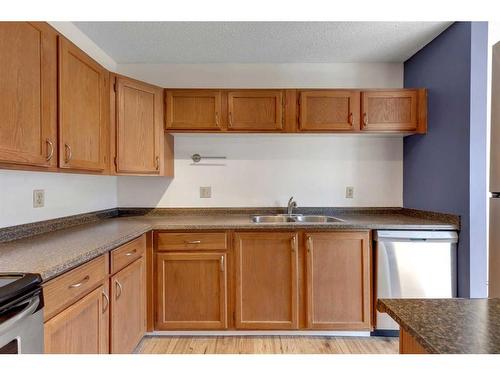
414	264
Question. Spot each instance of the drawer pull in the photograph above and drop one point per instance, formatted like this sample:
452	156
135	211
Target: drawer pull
106	298
130	253
79	284
193	242
119	289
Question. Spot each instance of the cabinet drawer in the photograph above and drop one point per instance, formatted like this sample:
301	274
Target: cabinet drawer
191	241
66	289
127	253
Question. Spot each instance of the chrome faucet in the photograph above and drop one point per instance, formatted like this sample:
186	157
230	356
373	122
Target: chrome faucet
291	205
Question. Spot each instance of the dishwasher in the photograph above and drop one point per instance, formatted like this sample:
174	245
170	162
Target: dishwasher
413	264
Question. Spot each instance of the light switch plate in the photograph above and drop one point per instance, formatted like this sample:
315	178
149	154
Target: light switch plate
38	198
205	191
349	192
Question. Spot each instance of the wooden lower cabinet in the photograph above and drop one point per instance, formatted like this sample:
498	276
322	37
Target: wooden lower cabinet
192	291
338	280
82	328
266	268
128	307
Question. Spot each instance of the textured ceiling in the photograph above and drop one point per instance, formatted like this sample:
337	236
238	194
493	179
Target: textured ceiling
261	42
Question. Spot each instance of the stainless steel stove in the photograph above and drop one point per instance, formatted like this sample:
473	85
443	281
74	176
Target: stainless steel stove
21	313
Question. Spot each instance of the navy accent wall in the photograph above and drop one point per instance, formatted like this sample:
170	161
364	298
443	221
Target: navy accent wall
445	170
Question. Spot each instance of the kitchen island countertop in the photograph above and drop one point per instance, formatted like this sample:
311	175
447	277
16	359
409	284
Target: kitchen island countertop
448	326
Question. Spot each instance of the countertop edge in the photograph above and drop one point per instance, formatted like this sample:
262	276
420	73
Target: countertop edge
383	308
88	256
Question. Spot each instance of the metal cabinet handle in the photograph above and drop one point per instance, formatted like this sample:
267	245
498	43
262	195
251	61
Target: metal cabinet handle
222	263
69	153
365	119
130	253
80	283
157	161
350	118
294	243
106	298
231	118
309	244
193	242
217	118
50	149
119	289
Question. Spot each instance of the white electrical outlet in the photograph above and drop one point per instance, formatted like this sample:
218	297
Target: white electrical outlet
38	198
349	192
205	191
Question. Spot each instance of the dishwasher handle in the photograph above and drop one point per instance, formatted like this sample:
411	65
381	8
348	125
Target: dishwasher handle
415	236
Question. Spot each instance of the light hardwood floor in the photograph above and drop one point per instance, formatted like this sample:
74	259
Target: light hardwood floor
267	345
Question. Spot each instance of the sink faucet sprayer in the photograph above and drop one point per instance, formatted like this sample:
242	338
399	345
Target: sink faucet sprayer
291	205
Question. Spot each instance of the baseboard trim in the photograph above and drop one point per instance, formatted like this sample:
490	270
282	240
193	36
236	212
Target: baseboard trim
259	333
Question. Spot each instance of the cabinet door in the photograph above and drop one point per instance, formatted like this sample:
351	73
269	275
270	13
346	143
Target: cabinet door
128	307
329	110
266	280
83	123
83	328
193	109
389	110
255	110
338	280
28	94
192	291
139	127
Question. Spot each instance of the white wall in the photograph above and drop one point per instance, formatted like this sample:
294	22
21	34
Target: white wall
353	75
265	170
65	194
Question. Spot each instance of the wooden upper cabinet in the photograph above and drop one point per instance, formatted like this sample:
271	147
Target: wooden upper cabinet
329	110
193	110
83	328
128	307
192	291
255	110
395	110
83	103
28	94
266	267
338	280
139	127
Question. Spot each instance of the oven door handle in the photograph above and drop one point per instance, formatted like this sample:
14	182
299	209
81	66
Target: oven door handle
30	309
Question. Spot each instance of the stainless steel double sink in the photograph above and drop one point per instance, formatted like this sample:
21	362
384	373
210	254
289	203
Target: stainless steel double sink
264	219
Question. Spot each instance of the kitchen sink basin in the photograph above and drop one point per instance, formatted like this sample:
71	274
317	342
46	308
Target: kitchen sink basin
273	219
294	219
316	219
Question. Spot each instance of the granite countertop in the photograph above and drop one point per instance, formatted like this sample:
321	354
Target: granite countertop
449	326
53	253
